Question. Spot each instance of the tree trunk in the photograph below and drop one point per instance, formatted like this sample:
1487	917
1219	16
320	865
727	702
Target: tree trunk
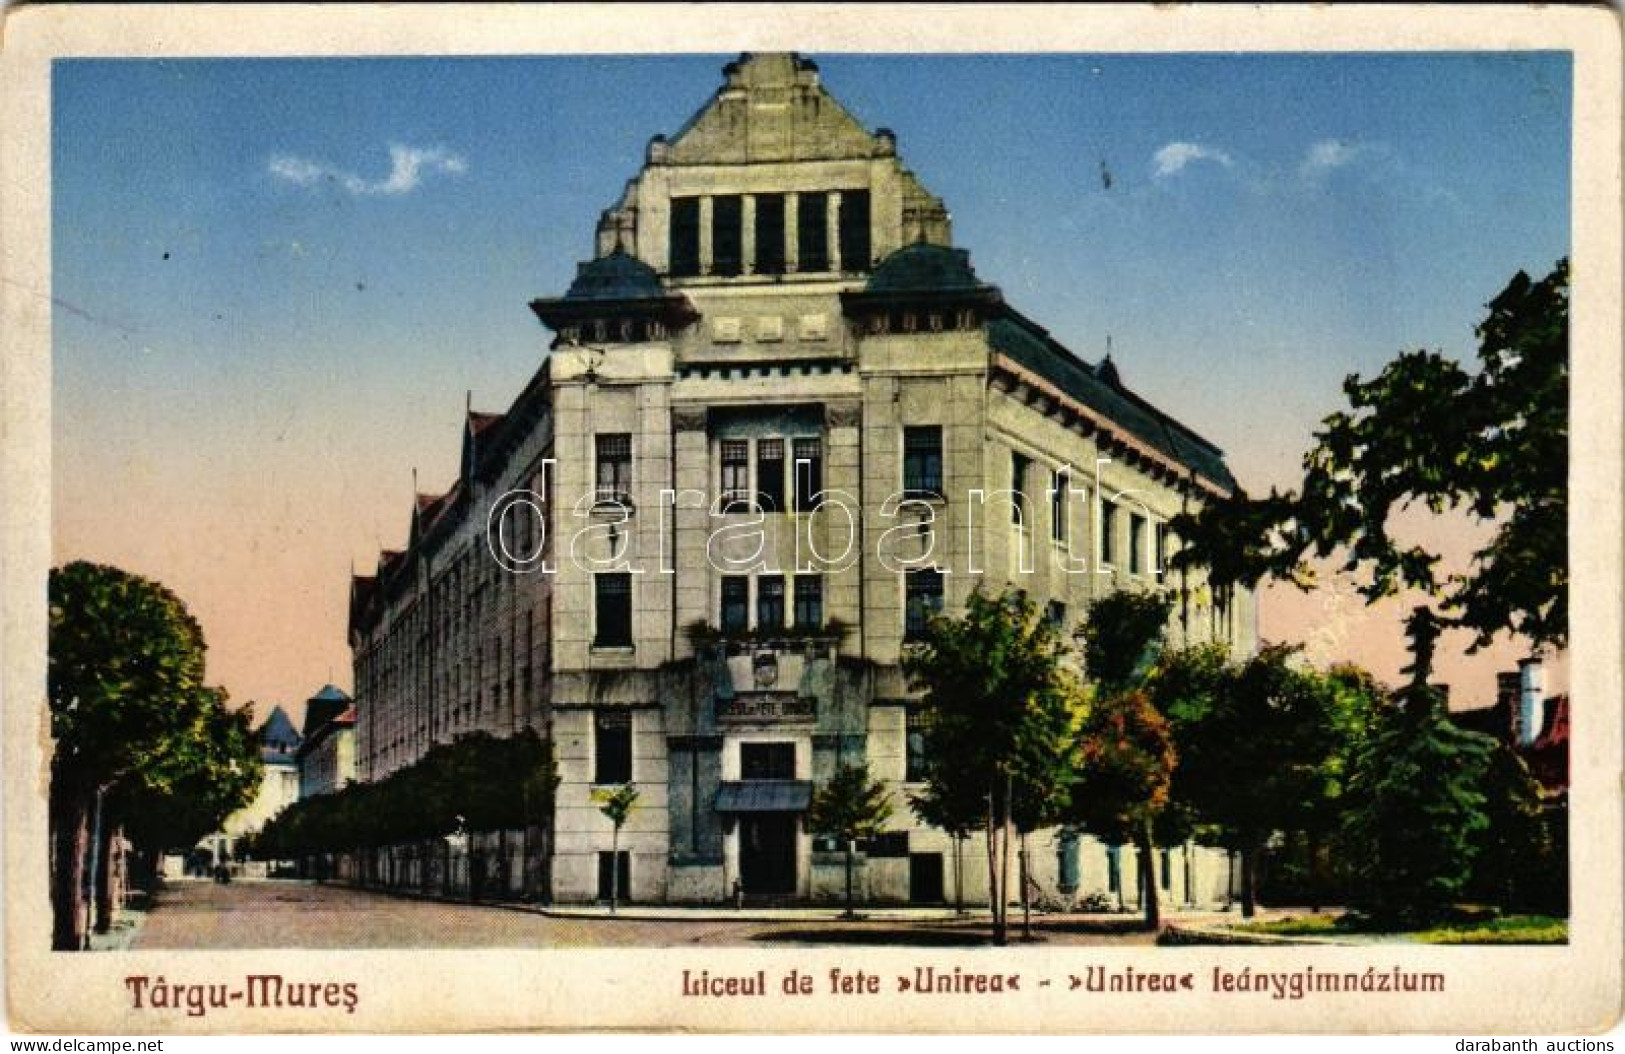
850	852
106	904
959	874
70	837
1249	880
1150	898
1002	930
993	867
1026	895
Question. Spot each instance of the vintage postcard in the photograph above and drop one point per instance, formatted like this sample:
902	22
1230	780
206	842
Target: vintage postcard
821	518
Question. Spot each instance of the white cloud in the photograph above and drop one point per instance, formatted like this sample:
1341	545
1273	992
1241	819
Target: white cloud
1175	156
1327	155
407	167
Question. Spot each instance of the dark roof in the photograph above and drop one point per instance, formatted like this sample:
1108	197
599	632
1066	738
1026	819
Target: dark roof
319	712
331	691
329	724
923	267
1491	721
618	276
1029	345
764	796
278	738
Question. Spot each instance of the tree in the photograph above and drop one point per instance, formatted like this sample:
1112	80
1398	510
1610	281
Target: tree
1126	751
128	712
1126	763
1253	745
184	794
1416	803
849	807
1492	444
999	709
617	805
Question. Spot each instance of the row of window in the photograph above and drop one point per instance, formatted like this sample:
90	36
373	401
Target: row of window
805	474
769	229
612	752
922	477
922	599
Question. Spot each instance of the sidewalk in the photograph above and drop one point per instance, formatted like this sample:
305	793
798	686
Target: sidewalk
716	913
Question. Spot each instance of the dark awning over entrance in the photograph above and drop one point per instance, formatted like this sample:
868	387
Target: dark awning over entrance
764	796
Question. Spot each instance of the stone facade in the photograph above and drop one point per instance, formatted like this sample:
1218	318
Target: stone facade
692	550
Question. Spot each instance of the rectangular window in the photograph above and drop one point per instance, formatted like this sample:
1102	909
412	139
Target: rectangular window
1055	614
1018	486
735	475
914	767
612	746
614	467
1136	543
1162	550
735	604
770	474
922	598
770	602
854	230
812	232
613	610
922	460
809	602
727	234
767	761
1057	507
685	237
622	881
809	470
1108	532
770	234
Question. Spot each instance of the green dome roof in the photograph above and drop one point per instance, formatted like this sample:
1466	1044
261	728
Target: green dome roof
923	267
617	276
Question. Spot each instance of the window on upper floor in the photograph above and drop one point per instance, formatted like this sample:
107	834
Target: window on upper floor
735	475
1136	543
914	763
770	474
727	235
612	614
1161	550
854	230
812	232
1018	487
770	602
1057	506
809	471
612	746
735	615
614	476
769	234
922	460
767	761
922	598
1108	532
809	602
685	237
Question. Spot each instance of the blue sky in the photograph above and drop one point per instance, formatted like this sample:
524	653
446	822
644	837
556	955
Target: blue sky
265	319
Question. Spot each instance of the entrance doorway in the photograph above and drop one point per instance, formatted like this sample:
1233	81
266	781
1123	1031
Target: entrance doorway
767	853
925	878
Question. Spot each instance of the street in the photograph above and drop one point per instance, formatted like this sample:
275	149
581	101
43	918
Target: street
290	914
